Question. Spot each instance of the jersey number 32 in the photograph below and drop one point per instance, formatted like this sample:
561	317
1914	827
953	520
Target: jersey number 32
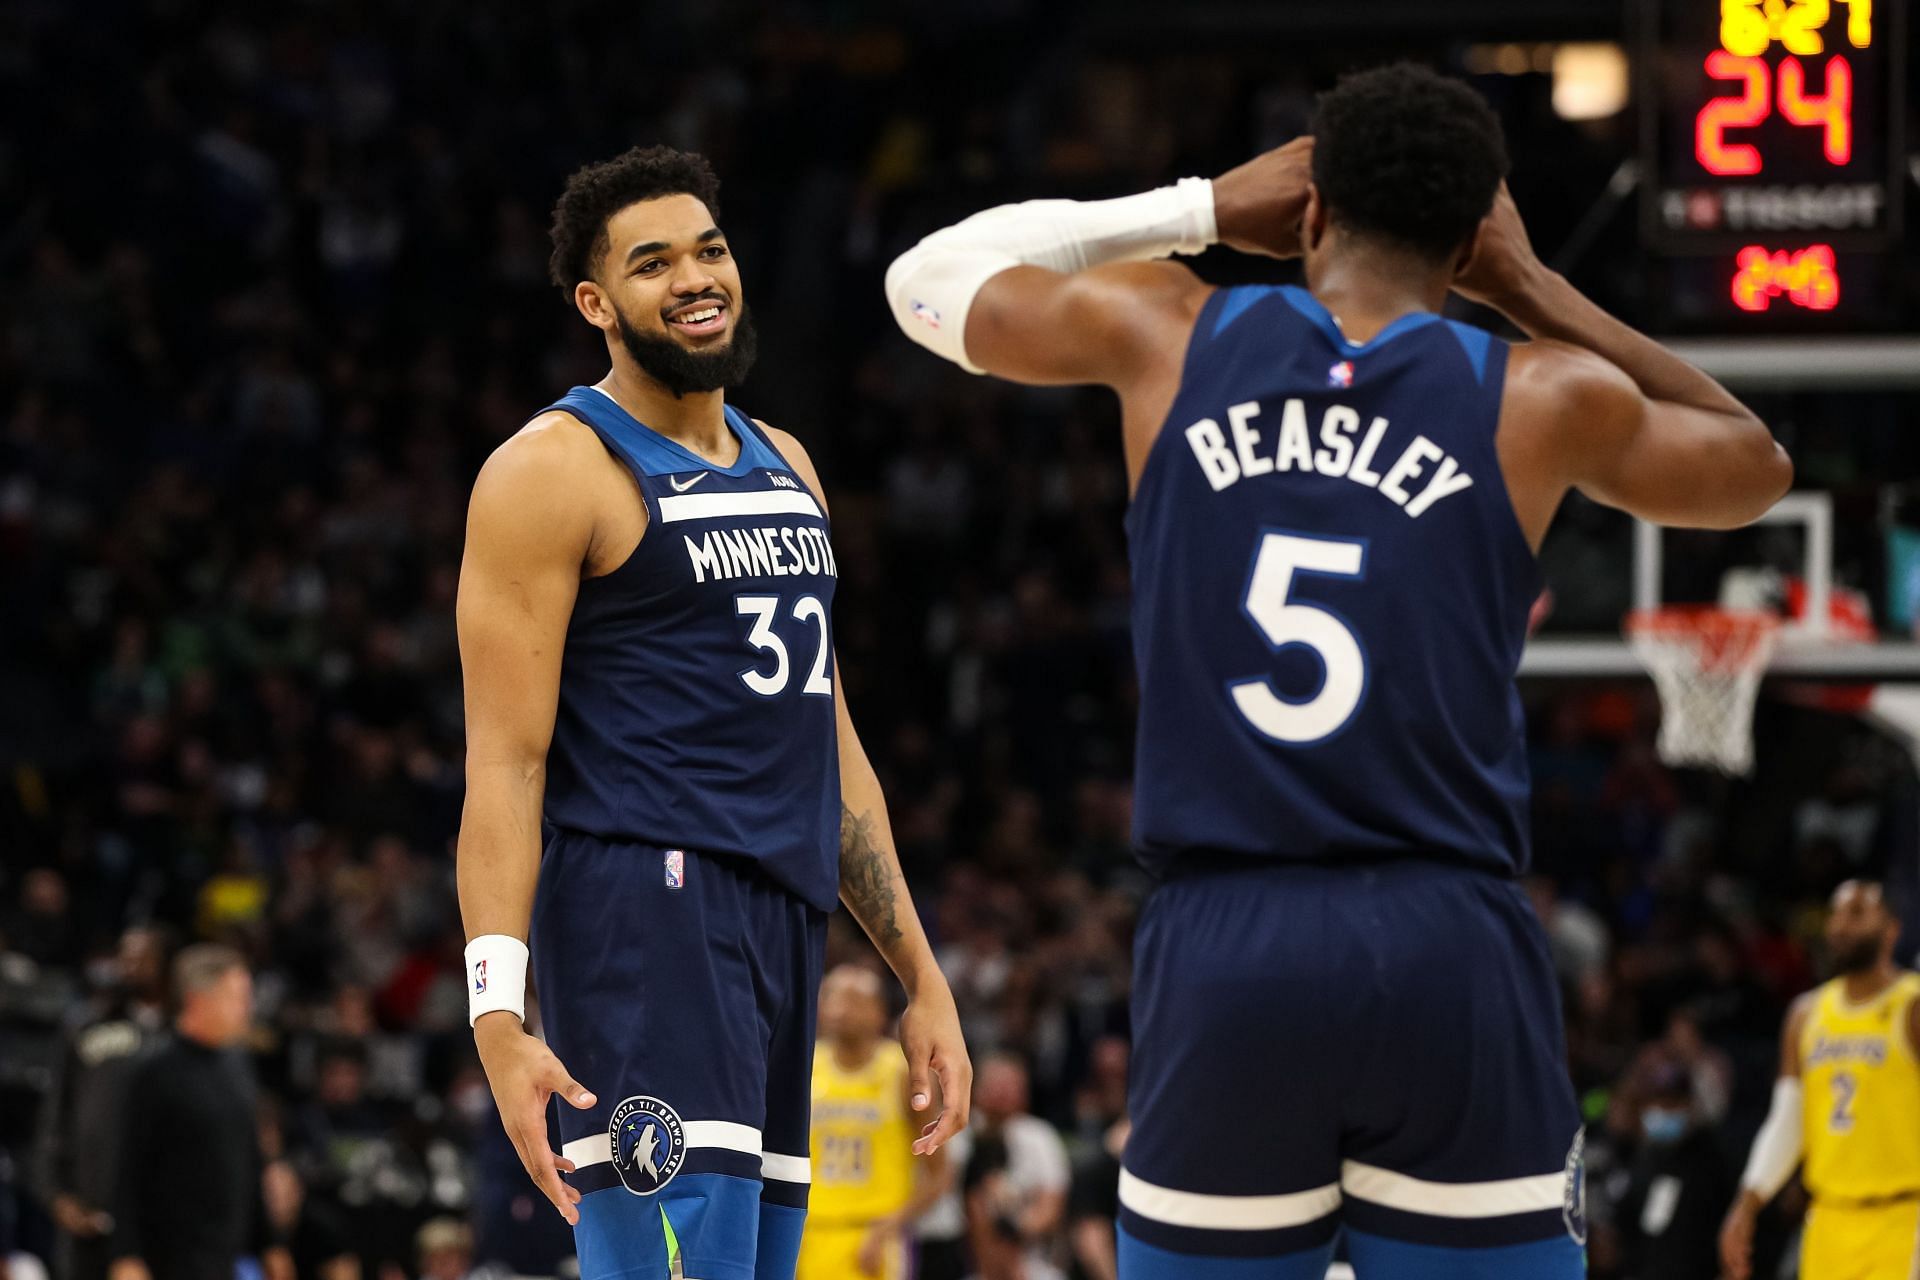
763	610
1282	622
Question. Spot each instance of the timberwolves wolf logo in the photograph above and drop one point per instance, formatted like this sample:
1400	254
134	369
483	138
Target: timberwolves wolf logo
1573	1205
648	1144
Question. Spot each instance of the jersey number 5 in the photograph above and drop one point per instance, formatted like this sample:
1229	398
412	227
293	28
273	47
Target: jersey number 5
1343	663
763	637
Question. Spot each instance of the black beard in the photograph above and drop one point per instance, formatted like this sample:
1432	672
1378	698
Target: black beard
680	370
1856	956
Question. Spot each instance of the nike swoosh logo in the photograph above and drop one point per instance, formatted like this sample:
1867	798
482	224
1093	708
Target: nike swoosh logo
682	488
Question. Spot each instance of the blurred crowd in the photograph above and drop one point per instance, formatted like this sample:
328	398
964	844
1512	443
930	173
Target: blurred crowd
272	284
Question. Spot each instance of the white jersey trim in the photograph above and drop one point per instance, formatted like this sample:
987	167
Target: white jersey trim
1453	1199
786	1168
1226	1213
722	1134
757	502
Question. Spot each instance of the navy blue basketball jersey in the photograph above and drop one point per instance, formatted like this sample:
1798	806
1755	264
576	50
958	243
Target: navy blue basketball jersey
696	688
1331	592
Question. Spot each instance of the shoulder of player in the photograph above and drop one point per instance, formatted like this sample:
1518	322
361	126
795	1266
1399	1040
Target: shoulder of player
536	477
1568	375
553	445
797	457
1561	391
1121	305
1801	1011
1150	294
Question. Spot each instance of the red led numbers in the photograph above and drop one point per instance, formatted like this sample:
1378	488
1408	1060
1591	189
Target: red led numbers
1830	112
1833	111
1807	278
1715	153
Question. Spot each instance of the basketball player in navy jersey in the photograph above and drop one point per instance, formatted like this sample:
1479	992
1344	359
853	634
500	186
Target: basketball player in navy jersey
1344	1010
665	794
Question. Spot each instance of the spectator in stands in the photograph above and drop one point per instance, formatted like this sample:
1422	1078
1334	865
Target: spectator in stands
79	1143
445	1249
1016	1179
1669	1219
1093	1205
315	1238
189	1202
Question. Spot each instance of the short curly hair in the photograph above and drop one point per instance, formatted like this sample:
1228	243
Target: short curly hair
1409	156
593	196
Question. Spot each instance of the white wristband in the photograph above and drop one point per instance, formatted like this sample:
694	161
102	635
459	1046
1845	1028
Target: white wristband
496	976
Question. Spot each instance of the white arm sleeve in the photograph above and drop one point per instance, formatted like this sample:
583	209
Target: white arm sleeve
932	285
1776	1149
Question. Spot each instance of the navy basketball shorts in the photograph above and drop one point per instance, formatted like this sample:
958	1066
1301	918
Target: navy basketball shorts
680	988
1375	1048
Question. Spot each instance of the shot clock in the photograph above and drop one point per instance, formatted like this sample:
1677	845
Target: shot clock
1772	155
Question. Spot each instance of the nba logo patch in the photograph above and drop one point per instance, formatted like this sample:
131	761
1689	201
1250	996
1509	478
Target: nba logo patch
925	314
676	868
648	1144
479	977
1341	375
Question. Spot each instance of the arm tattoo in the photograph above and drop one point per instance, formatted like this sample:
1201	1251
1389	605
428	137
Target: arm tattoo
866	878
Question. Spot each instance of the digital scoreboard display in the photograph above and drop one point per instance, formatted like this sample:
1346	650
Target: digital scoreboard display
1772	154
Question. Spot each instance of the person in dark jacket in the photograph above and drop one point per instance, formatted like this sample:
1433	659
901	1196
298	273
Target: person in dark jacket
1669	1219
189	1200
78	1156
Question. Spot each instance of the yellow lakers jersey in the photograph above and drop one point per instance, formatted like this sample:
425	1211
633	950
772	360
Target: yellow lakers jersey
862	1137
1861	1083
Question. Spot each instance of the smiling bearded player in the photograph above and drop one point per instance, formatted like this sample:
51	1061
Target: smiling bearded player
644	613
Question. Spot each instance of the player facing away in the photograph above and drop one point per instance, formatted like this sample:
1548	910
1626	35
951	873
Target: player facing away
663	784
867	1190
1343	1008
1848	1101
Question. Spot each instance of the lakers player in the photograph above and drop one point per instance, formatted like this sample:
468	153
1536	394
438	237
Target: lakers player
867	1190
665	792
1344	1012
1848	1100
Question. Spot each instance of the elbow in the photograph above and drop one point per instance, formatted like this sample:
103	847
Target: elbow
1751	486
1769	476
1779	470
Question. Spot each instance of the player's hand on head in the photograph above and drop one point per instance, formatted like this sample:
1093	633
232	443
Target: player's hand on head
1258	207
1503	264
523	1073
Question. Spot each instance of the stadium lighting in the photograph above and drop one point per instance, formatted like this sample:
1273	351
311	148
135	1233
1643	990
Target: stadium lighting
1589	81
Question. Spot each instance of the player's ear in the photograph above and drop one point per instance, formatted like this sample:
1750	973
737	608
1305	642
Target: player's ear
1313	220
595	305
1467	250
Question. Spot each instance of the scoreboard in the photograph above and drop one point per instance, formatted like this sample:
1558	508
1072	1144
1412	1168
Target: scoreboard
1772	157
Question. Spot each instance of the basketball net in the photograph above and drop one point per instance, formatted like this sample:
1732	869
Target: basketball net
1707	663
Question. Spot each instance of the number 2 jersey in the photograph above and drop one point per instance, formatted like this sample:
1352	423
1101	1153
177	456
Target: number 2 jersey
1331	593
696	688
1861	1082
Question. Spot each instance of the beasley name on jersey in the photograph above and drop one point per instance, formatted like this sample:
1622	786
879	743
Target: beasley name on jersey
1338	456
1331	591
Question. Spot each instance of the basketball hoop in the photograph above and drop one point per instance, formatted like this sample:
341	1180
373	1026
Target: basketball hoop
1707	663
